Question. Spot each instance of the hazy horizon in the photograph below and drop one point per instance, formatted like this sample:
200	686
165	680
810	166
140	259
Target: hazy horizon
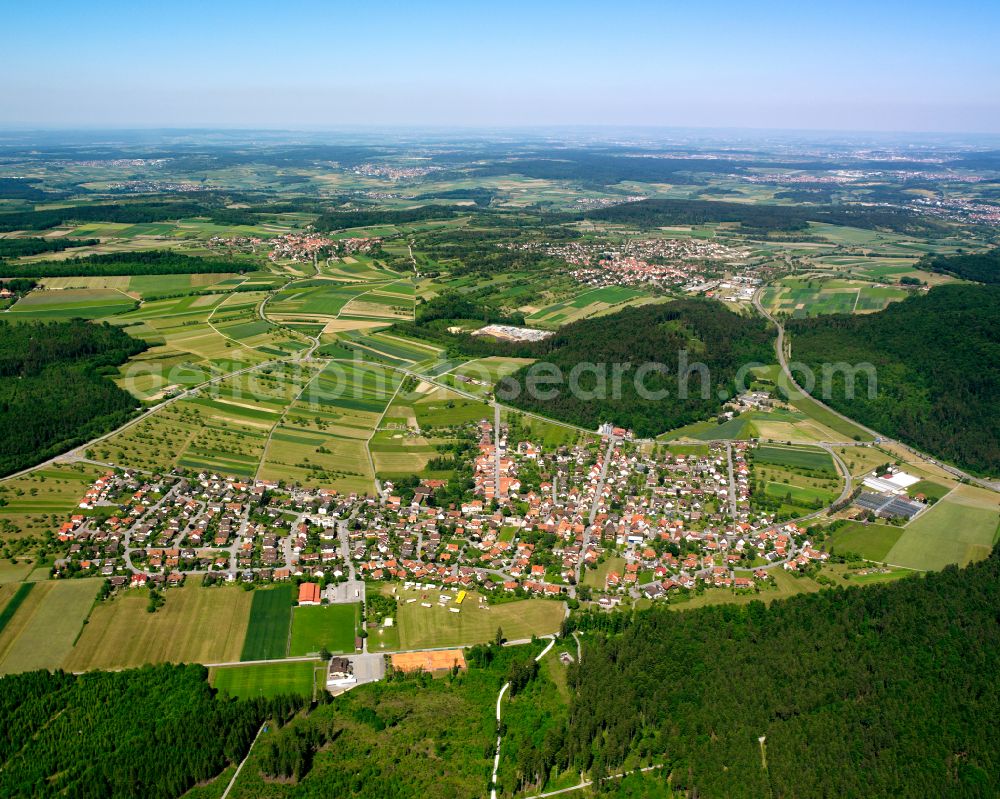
889	67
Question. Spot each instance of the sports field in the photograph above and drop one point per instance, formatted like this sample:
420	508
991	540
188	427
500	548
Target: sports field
266	679
330	626
870	541
960	528
195	625
422	628
270	620
41	632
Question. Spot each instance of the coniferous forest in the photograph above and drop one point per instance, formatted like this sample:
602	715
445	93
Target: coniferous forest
890	690
150	732
937	358
54	388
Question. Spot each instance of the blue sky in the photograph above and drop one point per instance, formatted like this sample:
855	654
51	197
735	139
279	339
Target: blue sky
912	66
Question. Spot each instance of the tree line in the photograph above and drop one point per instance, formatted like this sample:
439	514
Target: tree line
762	218
35	245
142	262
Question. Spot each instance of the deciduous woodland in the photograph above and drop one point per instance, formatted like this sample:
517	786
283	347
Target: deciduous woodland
982	267
146	262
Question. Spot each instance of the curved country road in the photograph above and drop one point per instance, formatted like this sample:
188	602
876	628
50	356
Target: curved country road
779	349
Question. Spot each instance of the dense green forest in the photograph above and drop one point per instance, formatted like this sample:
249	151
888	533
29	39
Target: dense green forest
889	690
674	335
761	218
143	262
150	732
54	392
937	358
983	267
18	248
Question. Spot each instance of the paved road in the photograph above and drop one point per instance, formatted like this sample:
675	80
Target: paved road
779	349
496	452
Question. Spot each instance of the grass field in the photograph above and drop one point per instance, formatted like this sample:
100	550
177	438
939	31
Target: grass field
14	572
199	625
330	626
14	601
870	541
586	303
816	460
270	620
423	628
960	528
803	297
785	585
929	489
41	633
265	679
596	578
